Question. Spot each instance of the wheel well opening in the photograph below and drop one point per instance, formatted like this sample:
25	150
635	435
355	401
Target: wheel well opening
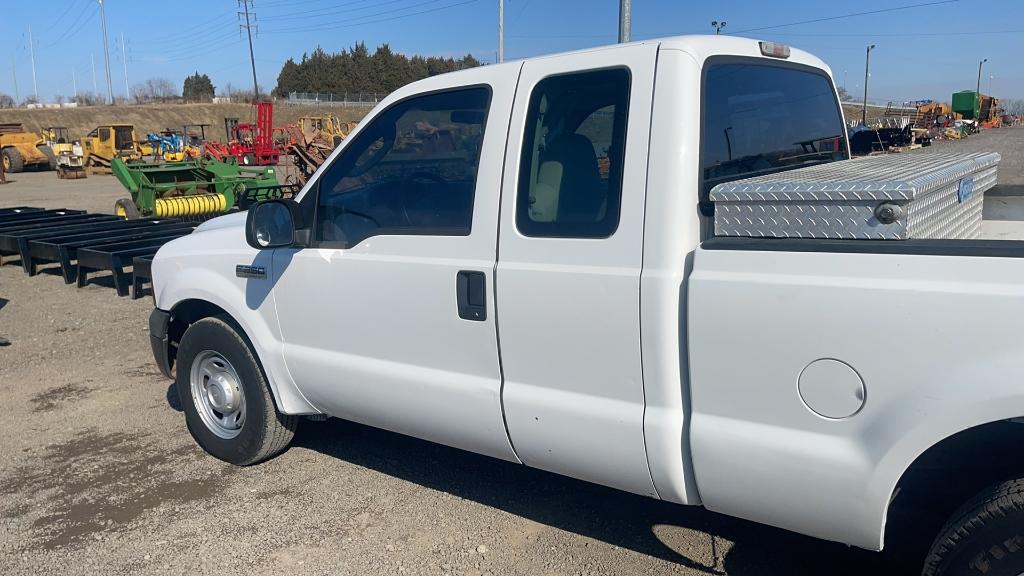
183	315
945	476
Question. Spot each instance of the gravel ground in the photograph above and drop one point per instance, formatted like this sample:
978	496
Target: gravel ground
99	476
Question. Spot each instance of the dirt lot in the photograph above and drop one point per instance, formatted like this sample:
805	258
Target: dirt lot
99	476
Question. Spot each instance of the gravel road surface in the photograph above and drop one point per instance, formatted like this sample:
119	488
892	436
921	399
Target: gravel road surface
99	476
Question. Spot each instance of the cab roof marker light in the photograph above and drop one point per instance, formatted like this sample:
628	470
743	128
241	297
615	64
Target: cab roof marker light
774	49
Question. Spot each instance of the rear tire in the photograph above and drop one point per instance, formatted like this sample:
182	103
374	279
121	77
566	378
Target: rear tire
249	160
224	394
13	162
985	537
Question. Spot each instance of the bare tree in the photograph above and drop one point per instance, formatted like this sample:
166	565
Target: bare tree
88	99
1014	107
6	101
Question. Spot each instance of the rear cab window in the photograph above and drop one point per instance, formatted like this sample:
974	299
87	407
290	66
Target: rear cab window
570	176
762	117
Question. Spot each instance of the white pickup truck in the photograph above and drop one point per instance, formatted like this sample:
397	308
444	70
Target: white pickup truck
518	260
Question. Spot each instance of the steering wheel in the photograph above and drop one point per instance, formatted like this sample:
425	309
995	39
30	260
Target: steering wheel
420	177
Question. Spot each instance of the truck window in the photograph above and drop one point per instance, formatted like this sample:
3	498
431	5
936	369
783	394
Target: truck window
570	174
411	171
762	118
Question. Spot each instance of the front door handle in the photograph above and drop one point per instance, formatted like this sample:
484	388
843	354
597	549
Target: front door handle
471	293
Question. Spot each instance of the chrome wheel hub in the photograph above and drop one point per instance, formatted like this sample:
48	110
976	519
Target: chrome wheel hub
217	393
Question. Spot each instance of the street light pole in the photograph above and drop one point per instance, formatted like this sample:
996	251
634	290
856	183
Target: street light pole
867	66
978	90
718	26
625	20
501	31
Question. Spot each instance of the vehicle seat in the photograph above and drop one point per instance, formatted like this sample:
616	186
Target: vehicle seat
568	183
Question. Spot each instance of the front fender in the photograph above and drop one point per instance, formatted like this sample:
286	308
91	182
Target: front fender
195	268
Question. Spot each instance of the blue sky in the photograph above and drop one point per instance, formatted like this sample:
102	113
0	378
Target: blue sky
924	52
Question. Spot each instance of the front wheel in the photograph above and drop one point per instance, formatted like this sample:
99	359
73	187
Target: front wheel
985	537
224	394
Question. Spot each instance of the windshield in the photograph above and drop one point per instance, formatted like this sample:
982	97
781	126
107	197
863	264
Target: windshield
761	118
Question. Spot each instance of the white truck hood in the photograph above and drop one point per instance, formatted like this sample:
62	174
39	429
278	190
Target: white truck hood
236	220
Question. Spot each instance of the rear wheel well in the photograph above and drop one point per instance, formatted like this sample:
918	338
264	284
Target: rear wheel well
945	476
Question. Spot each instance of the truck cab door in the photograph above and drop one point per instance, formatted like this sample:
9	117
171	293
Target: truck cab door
388	318
569	263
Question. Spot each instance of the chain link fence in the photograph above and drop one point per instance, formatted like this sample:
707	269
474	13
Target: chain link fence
328	99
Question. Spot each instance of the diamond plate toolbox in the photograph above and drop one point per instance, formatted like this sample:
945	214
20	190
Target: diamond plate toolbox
890	197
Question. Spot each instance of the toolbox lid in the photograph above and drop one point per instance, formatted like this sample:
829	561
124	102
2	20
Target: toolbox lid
889	177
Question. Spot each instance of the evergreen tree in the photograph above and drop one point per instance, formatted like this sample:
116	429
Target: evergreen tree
198	88
356	71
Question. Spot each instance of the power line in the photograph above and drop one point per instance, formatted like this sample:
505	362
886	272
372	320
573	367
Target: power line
213	28
227	43
899	34
519	15
67	10
76	25
391	10
332	11
333	26
828	18
291	3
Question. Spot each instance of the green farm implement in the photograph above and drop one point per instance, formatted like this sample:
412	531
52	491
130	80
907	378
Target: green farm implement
192	188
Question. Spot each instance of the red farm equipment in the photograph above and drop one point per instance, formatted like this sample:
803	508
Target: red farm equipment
250	144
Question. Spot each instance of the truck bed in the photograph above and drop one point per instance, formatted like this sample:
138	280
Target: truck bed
1003	218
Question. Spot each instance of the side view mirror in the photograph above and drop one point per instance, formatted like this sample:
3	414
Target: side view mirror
272	224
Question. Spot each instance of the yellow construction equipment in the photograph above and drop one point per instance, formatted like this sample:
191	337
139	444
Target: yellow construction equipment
21	149
70	157
329	128
311	140
105	143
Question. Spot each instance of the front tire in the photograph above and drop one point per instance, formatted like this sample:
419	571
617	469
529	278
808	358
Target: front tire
13	161
985	537
126	208
224	394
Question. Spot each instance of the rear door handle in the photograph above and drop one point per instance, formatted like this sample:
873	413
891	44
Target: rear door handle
471	293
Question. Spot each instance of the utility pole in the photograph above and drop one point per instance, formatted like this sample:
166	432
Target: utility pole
14	73
867	66
95	90
106	52
501	31
32	51
252	59
625	19
124	60
74	83
990	78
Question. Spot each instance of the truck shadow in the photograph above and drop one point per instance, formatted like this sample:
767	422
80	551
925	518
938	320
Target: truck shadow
665	531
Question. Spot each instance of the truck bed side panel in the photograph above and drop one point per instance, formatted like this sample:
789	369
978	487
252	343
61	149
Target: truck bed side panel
935	339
